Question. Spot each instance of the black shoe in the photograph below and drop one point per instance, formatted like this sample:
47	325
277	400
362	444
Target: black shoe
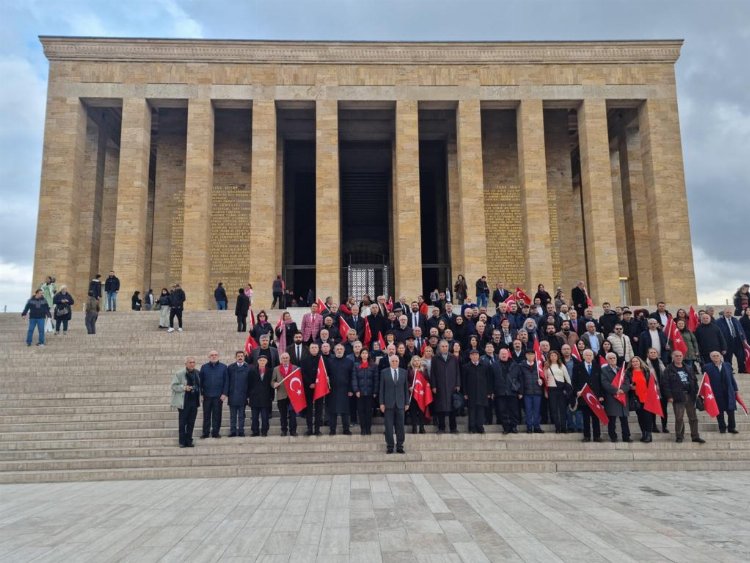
204	436
628	440
400	451
665	430
183	446
699	440
347	432
599	440
733	431
505	432
648	440
529	431
309	433
264	434
241	434
332	433
439	431
514	430
255	434
586	440
613	440
656	430
283	433
318	433
293	434
454	431
190	445
480	430
538	431
233	434
217	436
422	430
678	440
389	451
722	430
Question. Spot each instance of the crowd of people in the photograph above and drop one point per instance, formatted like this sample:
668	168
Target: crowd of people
527	363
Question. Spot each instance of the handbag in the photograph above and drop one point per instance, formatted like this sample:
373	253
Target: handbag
699	403
48	325
457	399
633	403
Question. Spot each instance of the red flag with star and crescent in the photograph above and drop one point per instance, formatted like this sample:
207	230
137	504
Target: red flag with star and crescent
653	399
368	333
594	404
674	338
575	353
421	392
251	324
295	390
740	402
709	399
343	329
602	361
746	346
381	341
693	320
322	387
250	345
521	295
617	382
539	363
322	308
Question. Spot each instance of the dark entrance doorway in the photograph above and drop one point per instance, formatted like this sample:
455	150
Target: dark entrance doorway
365	178
299	216
433	203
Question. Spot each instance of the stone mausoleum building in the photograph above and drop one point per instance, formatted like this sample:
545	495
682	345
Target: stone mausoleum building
353	167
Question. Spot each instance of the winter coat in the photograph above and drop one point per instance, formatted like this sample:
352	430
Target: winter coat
242	306
215	380
710	339
445	377
723	384
581	377
177	298
340	377
529	377
179	380
239	384
612	405
505	381
112	283
476	383
366	380
37	308
260	393
63	306
673	388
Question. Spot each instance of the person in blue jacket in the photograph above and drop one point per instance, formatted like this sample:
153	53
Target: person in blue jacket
214	379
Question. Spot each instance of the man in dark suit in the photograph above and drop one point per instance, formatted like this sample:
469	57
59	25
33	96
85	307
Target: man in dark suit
653	337
588	372
394	401
735	337
357	322
297	351
415	318
579	297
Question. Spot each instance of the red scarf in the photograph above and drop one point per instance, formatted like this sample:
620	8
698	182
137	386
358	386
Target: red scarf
364	364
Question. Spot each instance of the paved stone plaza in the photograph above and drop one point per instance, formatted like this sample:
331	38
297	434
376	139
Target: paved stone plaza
588	517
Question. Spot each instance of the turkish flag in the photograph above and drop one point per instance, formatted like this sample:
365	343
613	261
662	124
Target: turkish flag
653	399
521	295
693	320
617	382
368	333
389	304
539	363
602	361
421	392
674	337
381	341
250	344
709	400
575	353
425	344
738	398
343	329
594	404
322	388
321	306
295	390
746	346
589	302
252	319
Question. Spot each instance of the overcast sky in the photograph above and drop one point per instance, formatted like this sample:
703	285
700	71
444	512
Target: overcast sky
712	80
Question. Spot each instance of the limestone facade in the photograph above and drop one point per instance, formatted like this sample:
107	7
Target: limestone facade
164	160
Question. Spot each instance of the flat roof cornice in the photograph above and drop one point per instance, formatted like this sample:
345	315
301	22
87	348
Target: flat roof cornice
58	48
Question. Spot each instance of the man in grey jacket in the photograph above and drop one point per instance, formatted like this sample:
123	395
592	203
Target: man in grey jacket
394	401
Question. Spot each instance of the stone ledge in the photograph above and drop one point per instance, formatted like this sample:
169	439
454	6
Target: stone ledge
58	48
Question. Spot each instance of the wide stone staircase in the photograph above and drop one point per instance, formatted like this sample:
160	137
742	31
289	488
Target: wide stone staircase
97	408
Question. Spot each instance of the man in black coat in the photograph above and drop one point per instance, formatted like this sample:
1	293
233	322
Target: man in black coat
239	390
653	337
394	402
608	320
177	300
506	391
709	337
260	396
735	338
476	388
588	371
220	296
297	350
681	389
445	378
214	387
314	411
340	376
357	322
415	318
111	287
579	298
241	308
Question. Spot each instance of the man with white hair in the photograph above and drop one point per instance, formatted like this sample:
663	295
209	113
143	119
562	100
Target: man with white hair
214	379
186	390
394	402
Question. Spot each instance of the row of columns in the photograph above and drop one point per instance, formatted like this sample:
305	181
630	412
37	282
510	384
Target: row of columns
58	247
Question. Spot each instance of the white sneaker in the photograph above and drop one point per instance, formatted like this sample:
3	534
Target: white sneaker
170	329
179	330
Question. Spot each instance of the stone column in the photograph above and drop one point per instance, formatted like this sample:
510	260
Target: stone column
56	251
636	216
263	218
598	202
532	175
327	206
664	177
471	192
199	176
407	227
109	207
132	195
454	214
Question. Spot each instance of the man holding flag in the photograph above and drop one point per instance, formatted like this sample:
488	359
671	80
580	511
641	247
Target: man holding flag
312	365
725	389
281	375
681	389
587	382
615	386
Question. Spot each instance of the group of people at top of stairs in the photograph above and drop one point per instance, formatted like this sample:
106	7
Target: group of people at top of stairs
532	356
